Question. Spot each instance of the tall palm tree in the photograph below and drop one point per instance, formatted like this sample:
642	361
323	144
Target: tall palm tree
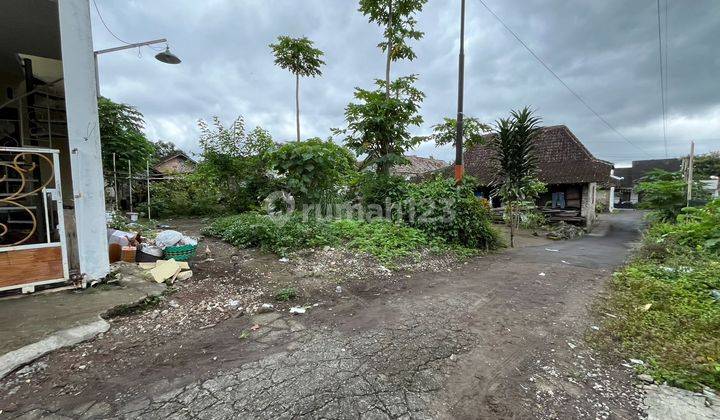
515	159
302	59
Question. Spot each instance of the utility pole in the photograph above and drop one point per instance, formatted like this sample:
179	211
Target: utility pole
690	172
461	84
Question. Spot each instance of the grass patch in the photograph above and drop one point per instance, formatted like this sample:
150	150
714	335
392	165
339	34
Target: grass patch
677	273
284	295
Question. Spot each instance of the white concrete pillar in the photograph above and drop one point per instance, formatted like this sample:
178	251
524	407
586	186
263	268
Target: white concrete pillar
611	200
84	136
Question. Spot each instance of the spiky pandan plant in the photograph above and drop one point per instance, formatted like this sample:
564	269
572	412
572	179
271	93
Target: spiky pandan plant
516	163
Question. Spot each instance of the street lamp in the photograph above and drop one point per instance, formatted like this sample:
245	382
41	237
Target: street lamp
164	56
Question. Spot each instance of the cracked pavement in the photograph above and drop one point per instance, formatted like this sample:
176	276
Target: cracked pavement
489	339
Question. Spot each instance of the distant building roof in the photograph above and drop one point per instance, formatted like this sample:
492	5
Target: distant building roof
418	165
640	168
562	159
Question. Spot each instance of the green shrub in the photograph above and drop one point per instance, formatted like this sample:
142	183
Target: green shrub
375	189
314	170
185	195
666	193
451	213
279	234
385	240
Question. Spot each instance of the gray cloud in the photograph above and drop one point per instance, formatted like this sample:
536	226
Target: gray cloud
607	51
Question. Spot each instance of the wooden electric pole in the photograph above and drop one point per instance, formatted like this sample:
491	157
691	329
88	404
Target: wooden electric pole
690	172
461	82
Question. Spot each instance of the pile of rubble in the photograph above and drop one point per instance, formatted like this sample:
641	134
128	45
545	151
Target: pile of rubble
564	230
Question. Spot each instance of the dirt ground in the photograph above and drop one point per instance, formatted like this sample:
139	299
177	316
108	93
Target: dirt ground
496	336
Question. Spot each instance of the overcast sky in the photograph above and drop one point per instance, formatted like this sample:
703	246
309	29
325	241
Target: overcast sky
607	51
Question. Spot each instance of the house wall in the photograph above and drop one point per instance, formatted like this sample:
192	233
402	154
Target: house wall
606	197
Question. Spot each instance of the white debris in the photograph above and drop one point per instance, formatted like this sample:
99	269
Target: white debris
552	250
541	274
637	362
265	308
283	260
298	310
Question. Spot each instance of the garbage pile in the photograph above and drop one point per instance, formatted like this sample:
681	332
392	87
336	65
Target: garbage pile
148	252
168	271
133	247
564	230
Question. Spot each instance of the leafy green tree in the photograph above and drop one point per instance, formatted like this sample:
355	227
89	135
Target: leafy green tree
314	170
473	130
666	193
165	149
707	165
237	162
377	126
121	134
302	59
515	161
397	17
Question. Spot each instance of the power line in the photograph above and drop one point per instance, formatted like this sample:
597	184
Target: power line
111	32
541	61
662	80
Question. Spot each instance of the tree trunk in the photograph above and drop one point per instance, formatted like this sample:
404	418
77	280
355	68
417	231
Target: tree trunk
512	226
384	169
389	49
297	105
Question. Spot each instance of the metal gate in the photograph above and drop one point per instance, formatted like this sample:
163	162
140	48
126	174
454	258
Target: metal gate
32	230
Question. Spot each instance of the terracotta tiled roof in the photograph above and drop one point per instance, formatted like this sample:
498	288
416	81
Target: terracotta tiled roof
562	159
418	165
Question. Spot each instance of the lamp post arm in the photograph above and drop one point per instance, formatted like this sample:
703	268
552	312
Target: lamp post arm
124	47
129	46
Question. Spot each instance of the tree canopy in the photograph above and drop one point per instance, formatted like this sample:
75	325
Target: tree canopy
377	125
397	17
707	165
298	55
446	132
121	133
165	149
302	59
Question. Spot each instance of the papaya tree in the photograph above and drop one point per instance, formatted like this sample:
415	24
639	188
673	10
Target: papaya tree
302	59
378	125
397	18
